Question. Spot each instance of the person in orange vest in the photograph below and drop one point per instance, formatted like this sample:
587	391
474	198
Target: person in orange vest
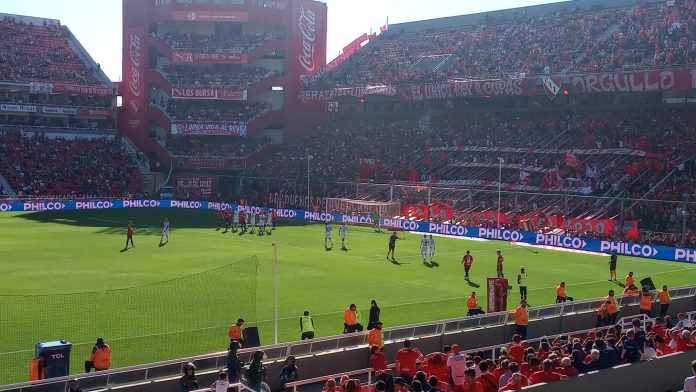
374	338
612	309
38	369
235	333
101	355
561	295
631	290
350	320
646	300
472	305
665	300
603	314
521	319
630	281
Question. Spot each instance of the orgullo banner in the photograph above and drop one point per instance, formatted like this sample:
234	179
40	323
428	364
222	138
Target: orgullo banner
635	82
194	187
219	129
209	93
210	16
196	163
196	56
205	185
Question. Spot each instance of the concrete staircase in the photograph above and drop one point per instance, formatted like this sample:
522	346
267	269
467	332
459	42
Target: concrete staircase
7	191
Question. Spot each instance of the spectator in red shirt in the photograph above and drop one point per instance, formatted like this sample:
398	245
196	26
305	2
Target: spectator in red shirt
546	374
377	359
684	341
435	364
517	382
516	350
486	379
470	383
331	386
567	368
406	360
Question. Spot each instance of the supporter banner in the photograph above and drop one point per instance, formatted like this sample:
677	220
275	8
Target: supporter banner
577	151
192	56
517	166
58	110
195	163
194	187
7	107
210	16
638	81
96	112
40	88
206	186
95	91
209	93
284	200
506	186
222	129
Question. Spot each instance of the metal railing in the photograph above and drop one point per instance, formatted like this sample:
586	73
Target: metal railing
278	352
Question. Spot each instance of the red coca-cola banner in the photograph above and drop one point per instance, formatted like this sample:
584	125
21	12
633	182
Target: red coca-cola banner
97	112
95	91
133	86
679	79
196	163
528	222
307	54
210	16
197	56
209	93
220	129
194	187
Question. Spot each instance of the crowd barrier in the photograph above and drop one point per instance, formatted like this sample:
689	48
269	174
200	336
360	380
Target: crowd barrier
526	237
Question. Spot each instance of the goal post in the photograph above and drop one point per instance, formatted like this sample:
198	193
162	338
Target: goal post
363	207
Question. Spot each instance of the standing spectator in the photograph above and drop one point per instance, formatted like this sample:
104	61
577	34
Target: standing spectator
406	360
101	355
221	384
486	379
256	373
690	382
646	300
289	372
351	322
522	283
457	365
374	338
189	381
234	364
665	300
306	326
378	360
374	314
612	309
521	319
235	332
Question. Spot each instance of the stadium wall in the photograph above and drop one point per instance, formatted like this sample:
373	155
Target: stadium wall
523	237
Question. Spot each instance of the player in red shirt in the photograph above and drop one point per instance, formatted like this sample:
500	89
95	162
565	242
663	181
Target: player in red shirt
129	235
228	219
406	360
220	218
467	260
499	267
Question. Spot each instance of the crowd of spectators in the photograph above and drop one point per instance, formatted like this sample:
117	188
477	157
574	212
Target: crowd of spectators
42	166
210	146
215	110
40	53
239	43
565	41
24	97
214	75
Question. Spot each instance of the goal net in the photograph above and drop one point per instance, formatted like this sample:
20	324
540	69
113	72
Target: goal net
363	207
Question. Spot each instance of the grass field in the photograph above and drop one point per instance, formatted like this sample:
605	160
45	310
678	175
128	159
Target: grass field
44	253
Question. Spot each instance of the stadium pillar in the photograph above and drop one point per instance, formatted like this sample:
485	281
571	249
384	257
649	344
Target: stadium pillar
500	179
391	193
275	293
309	203
430	189
471	201
621	213
684	215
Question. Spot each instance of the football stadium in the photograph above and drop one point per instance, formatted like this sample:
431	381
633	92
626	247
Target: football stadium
492	201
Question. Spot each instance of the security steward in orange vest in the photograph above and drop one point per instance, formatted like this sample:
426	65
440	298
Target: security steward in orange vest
646	300
561	295
665	300
374	338
38	369
472	305
100	356
521	319
235	333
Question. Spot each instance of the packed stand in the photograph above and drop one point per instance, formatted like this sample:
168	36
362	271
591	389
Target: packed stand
217	75
40	53
210	146
215	110
565	41
41	166
24	97
239	43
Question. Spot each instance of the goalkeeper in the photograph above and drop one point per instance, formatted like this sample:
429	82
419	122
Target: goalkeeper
375	222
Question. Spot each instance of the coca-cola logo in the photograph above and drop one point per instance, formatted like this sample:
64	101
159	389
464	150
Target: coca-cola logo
134	52
308	28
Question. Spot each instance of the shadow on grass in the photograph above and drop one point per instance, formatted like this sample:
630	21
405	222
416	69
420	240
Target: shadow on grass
396	262
473	284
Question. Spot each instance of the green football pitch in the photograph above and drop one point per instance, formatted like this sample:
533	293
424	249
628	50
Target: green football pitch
45	257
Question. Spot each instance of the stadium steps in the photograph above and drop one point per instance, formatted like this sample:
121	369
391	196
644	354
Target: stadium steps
7	189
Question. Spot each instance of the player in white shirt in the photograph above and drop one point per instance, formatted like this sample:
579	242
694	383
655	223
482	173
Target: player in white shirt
327	235
690	382
269	222
252	222
262	223
431	247
221	384
343	231
235	220
165	231
425	246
